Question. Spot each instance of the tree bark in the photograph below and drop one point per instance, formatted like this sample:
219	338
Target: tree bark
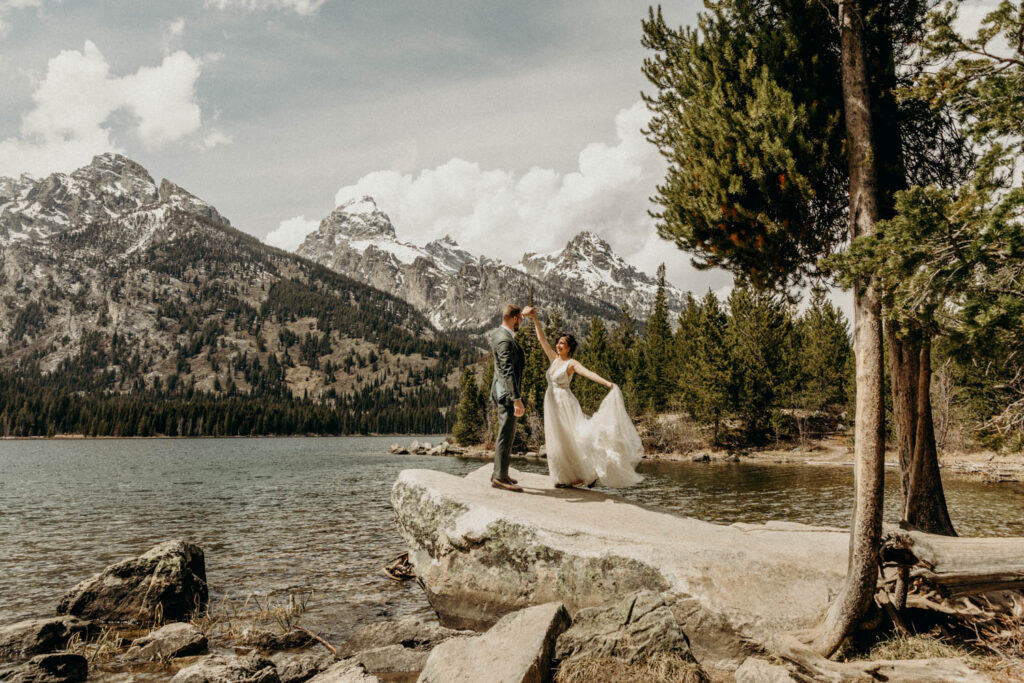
856	595
925	501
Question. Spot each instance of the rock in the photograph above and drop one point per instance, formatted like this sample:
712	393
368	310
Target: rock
532	455
345	671
481	552
414	632
633	630
517	649
401	645
702	457
173	640
542	452
438	450
755	670
38	636
251	668
266	640
394	448
414	446
298	667
167	582
57	667
426	445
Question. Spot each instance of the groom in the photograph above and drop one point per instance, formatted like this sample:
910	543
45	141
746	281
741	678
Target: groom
505	391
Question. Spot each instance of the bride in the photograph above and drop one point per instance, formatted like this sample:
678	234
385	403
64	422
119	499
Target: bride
603	448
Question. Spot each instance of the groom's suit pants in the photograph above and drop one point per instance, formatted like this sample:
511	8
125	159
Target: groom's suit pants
506	431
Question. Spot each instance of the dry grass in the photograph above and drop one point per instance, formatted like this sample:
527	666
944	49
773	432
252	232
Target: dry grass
919	646
228	620
657	669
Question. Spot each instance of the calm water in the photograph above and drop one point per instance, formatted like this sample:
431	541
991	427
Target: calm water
277	514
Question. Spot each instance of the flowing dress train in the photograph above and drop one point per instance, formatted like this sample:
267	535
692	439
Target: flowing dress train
604	447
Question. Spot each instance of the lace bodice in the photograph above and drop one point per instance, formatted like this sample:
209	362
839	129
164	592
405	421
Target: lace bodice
558	375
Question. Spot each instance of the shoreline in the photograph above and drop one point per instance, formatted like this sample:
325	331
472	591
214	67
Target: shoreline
986	466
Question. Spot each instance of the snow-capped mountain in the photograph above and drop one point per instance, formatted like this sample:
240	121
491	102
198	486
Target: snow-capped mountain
117	284
110	187
458	290
588	264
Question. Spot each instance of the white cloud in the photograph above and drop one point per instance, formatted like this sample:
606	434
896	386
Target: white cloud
503	214
76	99
290	233
173	34
303	7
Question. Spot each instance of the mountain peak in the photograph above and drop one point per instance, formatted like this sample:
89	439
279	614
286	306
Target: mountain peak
588	242
358	218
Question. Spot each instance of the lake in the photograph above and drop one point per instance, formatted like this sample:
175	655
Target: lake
276	514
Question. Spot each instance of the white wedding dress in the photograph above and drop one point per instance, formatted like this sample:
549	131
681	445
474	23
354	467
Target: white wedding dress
604	447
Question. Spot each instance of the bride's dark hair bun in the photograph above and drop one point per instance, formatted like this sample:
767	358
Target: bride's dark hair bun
570	340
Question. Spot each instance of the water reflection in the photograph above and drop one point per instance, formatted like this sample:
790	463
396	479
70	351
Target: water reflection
274	514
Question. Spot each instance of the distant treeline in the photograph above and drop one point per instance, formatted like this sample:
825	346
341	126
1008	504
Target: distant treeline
33	405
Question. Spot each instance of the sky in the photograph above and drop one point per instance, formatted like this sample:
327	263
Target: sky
509	126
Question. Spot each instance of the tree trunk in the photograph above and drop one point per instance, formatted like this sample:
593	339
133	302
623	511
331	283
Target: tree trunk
925	501
856	595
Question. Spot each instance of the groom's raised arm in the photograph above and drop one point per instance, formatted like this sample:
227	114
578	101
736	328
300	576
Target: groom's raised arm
503	366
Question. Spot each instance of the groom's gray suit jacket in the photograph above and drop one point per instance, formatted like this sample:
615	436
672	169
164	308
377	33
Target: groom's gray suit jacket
508	365
505	389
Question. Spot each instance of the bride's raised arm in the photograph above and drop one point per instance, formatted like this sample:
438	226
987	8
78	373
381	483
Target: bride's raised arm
579	369
548	351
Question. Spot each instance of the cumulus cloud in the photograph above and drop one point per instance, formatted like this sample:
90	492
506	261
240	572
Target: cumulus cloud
174	31
75	101
502	213
290	233
303	7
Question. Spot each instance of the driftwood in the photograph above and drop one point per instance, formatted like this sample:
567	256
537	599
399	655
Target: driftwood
400	569
946	670
957	566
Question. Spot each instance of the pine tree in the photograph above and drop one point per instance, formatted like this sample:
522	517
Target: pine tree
594	354
660	371
469	416
708	389
824	354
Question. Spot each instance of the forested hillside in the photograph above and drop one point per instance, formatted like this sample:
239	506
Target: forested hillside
165	321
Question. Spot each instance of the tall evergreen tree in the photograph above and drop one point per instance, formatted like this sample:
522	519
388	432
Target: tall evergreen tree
469	416
660	377
594	353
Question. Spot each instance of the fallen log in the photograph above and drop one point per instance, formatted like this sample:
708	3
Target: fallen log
945	670
956	565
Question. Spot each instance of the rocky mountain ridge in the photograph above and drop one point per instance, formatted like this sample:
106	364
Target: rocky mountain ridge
458	290
114	286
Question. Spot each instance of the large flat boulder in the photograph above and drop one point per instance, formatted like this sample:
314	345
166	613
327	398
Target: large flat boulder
166	583
39	636
519	648
55	667
482	553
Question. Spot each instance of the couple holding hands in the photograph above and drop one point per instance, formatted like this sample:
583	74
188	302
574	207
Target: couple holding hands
581	451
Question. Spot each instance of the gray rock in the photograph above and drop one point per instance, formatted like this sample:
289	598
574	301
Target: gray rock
755	670
413	632
518	649
702	457
345	672
57	667
167	582
392	659
269	641
251	668
401	645
481	553
173	640
633	630
299	667
38	636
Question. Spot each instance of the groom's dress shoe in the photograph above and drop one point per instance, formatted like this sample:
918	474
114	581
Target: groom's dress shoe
513	481
505	485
